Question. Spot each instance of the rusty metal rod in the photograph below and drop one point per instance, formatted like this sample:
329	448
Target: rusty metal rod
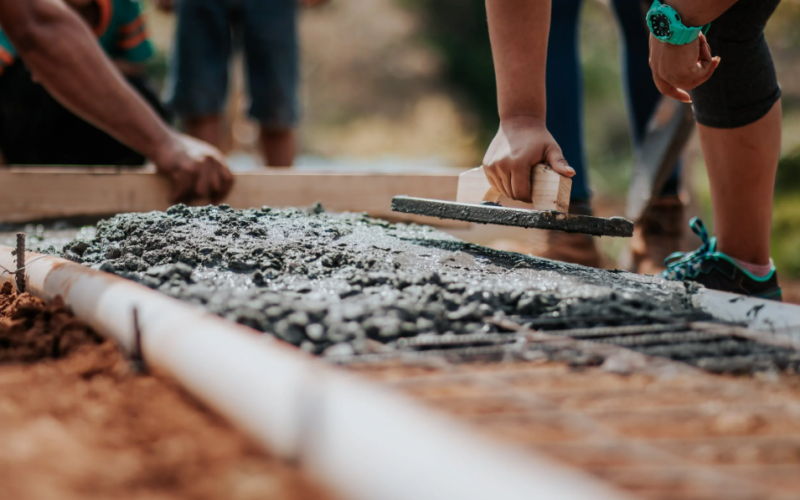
457	340
20	272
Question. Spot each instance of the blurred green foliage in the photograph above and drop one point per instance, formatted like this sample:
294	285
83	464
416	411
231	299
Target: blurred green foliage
787	182
458	31
786	235
786	215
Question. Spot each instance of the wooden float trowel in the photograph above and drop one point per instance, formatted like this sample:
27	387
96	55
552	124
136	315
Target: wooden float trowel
477	201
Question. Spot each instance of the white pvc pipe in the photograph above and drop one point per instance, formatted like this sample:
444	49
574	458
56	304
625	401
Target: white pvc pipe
252	379
374	444
758	314
778	318
364	441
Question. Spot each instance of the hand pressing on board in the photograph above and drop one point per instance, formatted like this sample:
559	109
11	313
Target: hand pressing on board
521	143
62	52
196	169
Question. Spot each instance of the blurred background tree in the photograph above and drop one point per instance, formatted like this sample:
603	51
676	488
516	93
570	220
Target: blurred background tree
458	31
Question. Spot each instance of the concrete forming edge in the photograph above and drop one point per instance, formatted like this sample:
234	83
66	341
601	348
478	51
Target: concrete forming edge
363	441
778	318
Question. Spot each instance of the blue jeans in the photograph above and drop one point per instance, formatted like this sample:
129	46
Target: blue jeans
565	85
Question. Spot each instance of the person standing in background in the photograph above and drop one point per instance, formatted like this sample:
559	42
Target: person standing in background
36	129
208	33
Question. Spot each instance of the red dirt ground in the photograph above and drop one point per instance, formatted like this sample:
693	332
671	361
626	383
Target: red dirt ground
672	435
77	423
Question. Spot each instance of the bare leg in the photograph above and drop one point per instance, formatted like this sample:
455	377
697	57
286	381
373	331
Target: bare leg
742	163
278	146
206	128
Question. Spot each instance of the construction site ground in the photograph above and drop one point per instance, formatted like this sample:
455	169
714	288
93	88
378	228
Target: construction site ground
610	373
671	434
78	422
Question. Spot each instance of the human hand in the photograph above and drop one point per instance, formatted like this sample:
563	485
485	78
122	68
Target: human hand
196	169
165	5
521	143
679	68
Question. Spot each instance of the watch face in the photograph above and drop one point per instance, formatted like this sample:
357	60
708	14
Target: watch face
660	24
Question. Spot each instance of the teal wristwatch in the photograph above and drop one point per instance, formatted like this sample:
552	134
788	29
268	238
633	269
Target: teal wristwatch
666	25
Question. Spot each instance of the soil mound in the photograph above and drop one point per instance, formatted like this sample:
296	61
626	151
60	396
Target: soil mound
31	330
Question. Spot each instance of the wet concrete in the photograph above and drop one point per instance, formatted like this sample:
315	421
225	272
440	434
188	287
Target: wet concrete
336	283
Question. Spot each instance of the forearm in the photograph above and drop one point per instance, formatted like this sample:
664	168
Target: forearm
519	30
63	55
699	12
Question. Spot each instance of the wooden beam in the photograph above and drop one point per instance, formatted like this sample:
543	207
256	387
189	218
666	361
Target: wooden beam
35	193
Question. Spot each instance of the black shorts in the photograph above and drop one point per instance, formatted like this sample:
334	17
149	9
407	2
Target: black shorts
744	87
35	129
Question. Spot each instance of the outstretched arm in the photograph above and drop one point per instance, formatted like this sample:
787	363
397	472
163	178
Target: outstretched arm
63	55
519	30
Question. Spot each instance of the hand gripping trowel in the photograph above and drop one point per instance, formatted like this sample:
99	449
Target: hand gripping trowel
477	201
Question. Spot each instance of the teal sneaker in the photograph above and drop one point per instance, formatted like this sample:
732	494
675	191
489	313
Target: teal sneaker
717	271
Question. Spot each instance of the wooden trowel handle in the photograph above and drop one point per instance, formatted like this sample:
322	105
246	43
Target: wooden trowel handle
551	190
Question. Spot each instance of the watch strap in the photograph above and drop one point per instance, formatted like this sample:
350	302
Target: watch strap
681	34
684	35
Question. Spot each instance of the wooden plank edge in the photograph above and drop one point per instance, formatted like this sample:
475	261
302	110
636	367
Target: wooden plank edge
143	190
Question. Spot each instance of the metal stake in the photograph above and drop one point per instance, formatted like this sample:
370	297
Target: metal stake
137	357
20	272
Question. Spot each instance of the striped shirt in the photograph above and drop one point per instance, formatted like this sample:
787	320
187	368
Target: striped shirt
121	32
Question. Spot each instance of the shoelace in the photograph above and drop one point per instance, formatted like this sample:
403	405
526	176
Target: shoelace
682	265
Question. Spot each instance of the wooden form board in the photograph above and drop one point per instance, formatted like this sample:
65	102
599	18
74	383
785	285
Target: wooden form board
34	193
